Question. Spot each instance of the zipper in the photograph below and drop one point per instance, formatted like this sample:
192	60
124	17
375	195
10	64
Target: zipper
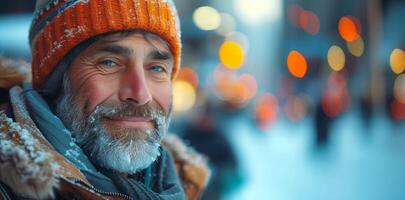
4	194
102	192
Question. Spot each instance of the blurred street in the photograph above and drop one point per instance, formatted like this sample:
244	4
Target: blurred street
361	162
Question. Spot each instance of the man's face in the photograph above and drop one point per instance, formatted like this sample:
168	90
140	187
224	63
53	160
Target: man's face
119	69
119	99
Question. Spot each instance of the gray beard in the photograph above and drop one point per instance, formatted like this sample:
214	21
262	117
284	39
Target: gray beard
129	151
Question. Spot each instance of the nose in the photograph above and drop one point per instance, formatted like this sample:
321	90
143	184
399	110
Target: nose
134	88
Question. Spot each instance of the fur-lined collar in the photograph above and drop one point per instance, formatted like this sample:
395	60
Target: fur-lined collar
29	164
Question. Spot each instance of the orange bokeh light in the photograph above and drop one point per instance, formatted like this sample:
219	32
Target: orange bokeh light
224	81
349	28
189	75
297	64
250	84
335	98
234	89
266	109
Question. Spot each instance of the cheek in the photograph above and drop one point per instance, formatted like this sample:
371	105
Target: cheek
94	91
162	94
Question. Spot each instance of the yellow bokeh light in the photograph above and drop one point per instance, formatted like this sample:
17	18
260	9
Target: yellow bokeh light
184	96
399	88
356	48
231	54
239	38
336	58
206	18
397	61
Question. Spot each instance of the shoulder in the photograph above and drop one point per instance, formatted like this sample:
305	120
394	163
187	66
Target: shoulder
191	166
12	73
23	166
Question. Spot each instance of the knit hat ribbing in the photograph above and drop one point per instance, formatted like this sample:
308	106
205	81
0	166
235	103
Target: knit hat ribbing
60	25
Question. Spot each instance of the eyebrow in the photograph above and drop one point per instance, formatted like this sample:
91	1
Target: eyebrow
160	55
115	49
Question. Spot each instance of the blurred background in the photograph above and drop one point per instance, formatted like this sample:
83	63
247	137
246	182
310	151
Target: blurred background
289	99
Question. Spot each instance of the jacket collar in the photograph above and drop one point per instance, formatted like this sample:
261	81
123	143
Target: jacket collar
29	163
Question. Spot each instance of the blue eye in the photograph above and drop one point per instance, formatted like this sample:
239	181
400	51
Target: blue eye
108	63
157	68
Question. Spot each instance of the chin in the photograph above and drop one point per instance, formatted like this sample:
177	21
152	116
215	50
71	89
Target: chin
123	150
125	156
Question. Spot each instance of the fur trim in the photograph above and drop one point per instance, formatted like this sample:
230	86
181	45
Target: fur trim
26	169
13	72
191	166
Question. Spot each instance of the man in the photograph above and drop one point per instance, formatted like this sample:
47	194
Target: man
92	123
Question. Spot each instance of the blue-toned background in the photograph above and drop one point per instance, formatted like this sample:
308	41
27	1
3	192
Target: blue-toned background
289	99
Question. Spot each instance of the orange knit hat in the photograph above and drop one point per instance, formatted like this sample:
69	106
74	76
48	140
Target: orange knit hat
60	25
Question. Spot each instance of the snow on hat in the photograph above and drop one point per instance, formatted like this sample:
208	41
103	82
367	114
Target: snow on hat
60	25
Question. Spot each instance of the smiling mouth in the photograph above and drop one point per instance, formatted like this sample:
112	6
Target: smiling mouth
132	122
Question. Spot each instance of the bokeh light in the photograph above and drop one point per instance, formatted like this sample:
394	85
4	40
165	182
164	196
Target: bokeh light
239	38
335	99
227	25
225	80
297	64
266	110
184	96
295	108
231	54
254	11
349	28
293	13
399	88
250	84
397	61
189	75
356	47
206	18
234	89
336	58
309	21
397	110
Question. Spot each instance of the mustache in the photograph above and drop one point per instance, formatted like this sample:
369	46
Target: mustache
124	109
